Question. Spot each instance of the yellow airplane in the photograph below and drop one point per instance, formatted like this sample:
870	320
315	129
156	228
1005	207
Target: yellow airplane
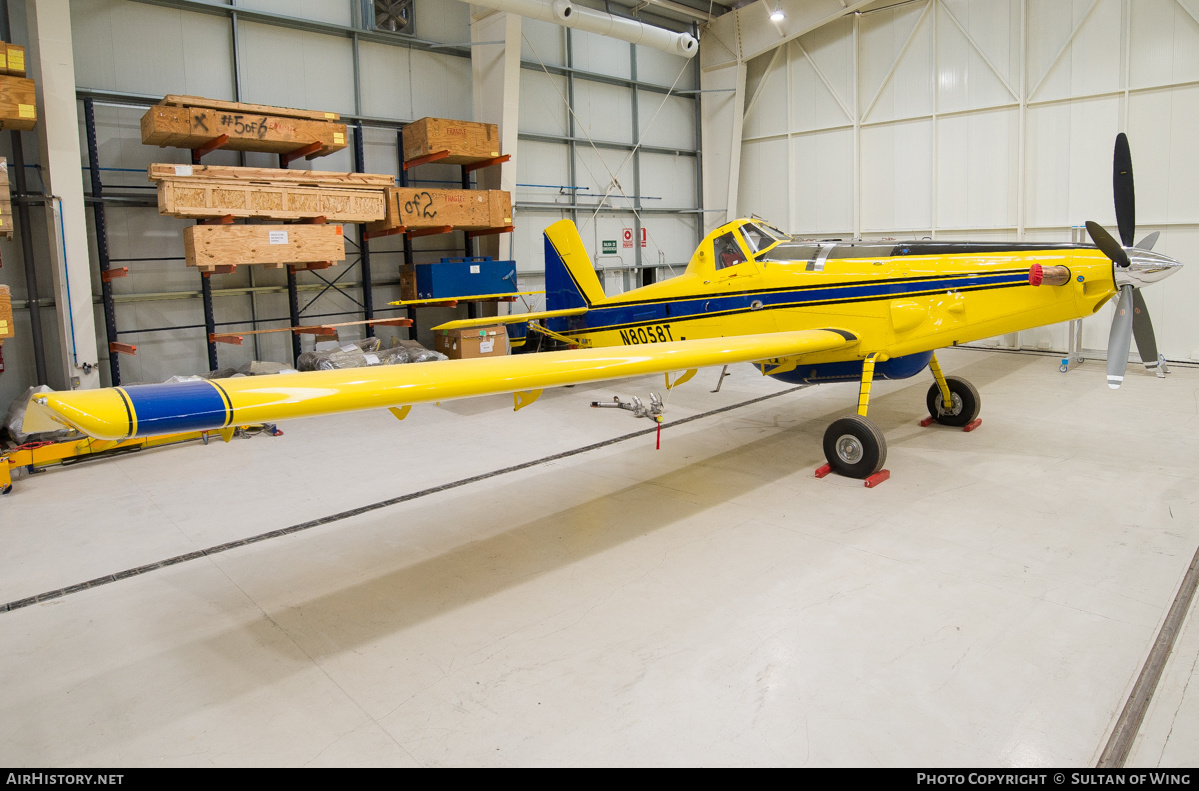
803	312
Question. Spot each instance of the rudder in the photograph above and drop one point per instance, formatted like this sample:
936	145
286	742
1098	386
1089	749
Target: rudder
570	279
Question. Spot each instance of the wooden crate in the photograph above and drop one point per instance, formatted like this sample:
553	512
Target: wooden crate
192	127
6	322
312	178
466	141
18	103
12	59
6	218
200	192
209	246
470	210
243	107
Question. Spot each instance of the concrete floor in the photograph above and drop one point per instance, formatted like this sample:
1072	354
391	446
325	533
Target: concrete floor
709	603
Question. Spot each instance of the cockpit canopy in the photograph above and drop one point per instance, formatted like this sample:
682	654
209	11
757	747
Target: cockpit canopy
738	242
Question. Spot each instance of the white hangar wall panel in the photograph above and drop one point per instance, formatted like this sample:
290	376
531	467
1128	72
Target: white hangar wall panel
191	53
987	119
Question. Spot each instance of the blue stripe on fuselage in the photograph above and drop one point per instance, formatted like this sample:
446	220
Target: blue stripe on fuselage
684	308
177	407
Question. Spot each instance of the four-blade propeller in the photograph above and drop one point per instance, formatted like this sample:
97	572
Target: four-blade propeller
1132	315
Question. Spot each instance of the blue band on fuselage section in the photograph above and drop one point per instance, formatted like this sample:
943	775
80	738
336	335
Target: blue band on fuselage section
177	407
851	371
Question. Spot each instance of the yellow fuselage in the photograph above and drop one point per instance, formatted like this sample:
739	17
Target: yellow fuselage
895	305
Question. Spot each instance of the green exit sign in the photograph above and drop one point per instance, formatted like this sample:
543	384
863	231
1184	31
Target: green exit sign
609	246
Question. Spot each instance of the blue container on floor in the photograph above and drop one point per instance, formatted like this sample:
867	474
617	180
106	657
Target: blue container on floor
465	277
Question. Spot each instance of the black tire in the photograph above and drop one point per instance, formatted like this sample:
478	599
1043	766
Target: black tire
6	489
855	447
966	402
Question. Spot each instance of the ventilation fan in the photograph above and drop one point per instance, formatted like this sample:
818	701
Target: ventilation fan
394	16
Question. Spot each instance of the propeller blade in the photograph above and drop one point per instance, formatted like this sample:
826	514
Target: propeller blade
1148	242
1119	340
1104	241
1126	204
1142	330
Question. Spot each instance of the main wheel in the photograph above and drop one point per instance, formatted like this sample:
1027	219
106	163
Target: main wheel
965	407
855	447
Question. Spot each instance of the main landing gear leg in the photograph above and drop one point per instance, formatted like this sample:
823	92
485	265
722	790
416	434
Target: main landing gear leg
951	400
853	445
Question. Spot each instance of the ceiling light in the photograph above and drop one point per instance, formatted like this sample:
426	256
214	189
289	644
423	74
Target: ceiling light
777	15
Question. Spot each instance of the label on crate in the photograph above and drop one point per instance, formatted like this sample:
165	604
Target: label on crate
486	347
183	170
25	111
371	359
3	326
474	269
338	138
277	237
3	62
16	60
330	115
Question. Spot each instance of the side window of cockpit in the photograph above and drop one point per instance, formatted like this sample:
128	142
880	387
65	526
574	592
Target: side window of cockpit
728	252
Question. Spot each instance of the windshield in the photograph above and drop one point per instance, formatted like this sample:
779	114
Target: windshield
757	239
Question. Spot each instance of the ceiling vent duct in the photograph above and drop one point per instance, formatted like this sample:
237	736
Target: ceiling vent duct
567	14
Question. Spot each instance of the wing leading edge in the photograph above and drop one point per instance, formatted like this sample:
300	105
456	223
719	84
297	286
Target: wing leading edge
147	410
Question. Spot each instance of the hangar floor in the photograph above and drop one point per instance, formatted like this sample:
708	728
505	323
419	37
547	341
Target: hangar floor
709	603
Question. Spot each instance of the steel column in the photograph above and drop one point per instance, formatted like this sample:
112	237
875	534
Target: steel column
368	294
17	172
110	314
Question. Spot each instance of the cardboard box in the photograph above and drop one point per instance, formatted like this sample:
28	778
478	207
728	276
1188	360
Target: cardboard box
470	342
6	322
466	141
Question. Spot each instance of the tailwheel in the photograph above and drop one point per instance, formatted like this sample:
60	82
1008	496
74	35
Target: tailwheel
965	407
855	447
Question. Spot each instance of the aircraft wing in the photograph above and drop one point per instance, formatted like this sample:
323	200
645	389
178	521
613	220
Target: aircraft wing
116	413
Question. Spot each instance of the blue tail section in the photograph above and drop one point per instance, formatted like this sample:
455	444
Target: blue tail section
561	291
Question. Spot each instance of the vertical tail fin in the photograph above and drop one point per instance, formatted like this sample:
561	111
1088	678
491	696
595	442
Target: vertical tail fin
570	279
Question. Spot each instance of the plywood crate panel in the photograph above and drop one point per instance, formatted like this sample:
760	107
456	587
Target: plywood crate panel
470	210
6	323
198	192
219	199
18	103
466	141
209	246
192	127
6	218
310	178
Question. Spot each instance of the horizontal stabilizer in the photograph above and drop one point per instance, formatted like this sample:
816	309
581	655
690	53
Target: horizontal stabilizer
511	318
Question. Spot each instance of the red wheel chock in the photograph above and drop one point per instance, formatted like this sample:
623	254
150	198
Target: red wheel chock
928	421
877	478
973	424
870	482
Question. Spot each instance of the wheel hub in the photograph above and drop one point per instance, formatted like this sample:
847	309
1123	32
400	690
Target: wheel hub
954	409
849	449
